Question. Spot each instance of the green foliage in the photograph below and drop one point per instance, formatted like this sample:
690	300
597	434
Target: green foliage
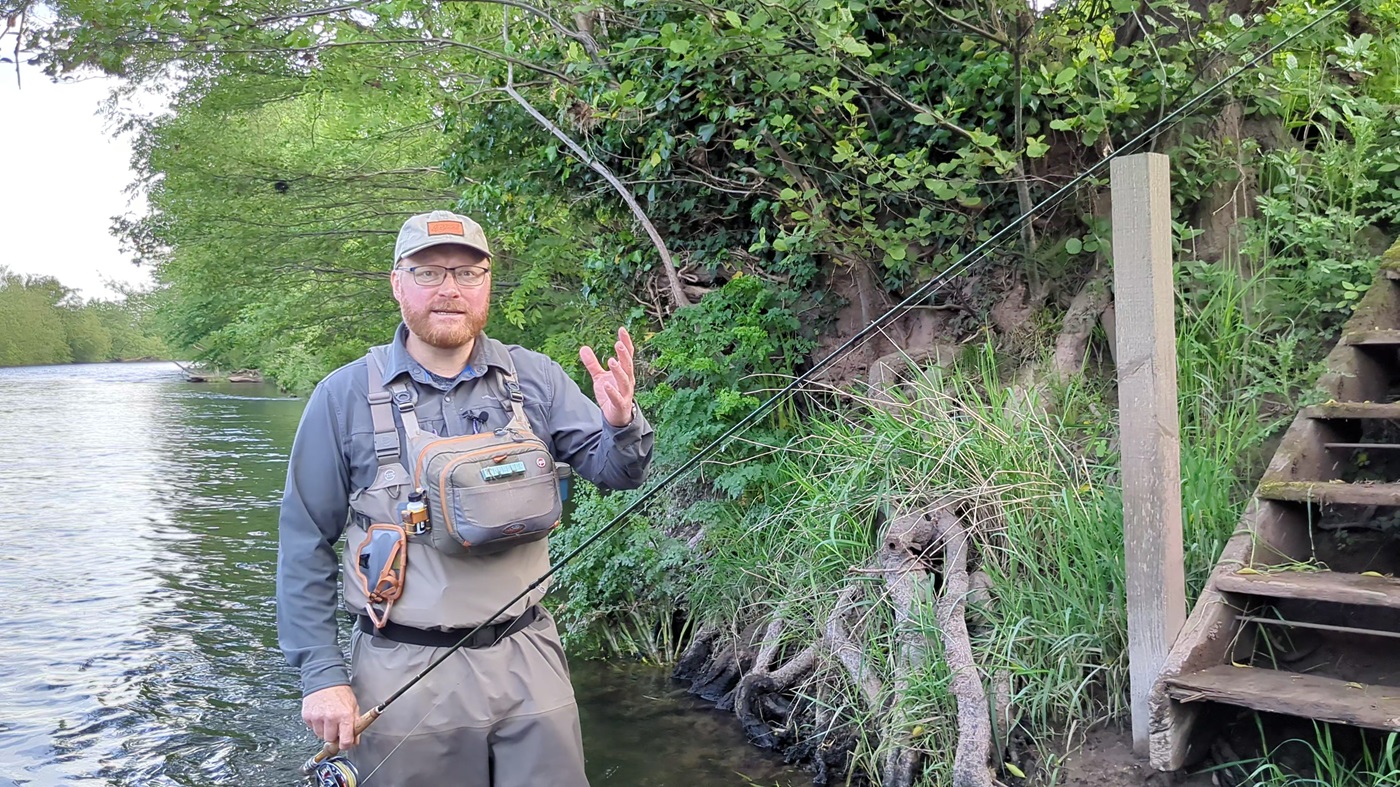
42	322
717	361
618	596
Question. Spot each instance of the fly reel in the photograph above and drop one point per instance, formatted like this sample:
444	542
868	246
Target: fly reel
334	772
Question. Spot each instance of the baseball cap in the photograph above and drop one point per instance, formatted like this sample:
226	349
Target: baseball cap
436	229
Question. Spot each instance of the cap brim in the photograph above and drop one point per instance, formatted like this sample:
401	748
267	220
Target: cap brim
444	241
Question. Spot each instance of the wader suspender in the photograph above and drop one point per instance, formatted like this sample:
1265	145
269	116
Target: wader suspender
386	434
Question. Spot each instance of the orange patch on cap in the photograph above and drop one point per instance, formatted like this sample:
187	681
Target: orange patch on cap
446	228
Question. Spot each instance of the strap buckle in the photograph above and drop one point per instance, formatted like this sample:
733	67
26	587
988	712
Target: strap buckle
386	445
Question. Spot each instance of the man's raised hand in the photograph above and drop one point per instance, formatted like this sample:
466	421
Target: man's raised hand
614	385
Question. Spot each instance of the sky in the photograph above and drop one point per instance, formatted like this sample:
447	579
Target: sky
63	177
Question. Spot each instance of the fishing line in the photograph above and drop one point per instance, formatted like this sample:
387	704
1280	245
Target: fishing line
928	288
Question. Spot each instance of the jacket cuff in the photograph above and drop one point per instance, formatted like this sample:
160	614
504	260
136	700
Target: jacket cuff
632	432
323	675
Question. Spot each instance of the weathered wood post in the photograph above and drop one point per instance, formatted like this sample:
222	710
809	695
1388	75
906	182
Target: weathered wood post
1149	429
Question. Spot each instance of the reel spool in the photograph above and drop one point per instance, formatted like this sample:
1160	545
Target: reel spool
335	772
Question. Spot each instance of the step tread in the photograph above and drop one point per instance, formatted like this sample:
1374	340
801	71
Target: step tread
1340	410
1292	693
1379	337
1334	586
1334	492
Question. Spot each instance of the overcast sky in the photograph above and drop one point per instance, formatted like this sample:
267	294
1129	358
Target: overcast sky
62	178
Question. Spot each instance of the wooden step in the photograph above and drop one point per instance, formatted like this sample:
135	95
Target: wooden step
1331	492
1335	586
1353	410
1296	694
1375	338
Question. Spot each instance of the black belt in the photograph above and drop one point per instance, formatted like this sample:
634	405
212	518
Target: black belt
437	638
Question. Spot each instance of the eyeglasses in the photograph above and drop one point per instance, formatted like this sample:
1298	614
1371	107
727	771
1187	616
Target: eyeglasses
433	275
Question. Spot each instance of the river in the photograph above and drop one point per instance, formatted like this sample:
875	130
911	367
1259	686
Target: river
138	539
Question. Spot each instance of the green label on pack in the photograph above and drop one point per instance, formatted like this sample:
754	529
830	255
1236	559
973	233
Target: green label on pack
498	472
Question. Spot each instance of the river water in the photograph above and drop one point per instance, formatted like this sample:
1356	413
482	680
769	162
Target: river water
138	538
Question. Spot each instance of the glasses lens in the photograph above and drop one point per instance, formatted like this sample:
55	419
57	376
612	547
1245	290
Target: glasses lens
429	275
469	277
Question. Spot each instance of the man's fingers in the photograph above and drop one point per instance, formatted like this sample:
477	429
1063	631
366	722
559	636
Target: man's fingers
618	400
624	359
621	378
624	351
347	732
590	361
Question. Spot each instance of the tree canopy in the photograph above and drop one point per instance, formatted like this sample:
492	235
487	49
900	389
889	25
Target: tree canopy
43	322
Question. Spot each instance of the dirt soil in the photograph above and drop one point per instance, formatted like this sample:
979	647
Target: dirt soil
1107	760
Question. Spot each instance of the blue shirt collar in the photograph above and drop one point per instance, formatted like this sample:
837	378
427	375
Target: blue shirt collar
485	353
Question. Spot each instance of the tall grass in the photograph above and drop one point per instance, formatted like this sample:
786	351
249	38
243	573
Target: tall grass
1316	761
1046	528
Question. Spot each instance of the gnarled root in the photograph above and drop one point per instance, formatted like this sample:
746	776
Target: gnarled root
908	580
974	719
755	675
756	691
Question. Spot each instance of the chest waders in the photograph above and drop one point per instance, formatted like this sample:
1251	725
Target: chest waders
435	555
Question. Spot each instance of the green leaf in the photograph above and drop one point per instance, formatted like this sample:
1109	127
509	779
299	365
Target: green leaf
679	46
1074	246
925	119
787	195
1036	147
1061	124
733	19
853	47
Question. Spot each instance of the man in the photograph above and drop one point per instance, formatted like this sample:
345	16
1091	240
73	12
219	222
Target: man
500	713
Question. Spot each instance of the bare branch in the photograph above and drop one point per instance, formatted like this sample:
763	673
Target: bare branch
587	41
272	20
672	276
966	25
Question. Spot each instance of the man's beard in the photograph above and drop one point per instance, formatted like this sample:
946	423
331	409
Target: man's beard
445	334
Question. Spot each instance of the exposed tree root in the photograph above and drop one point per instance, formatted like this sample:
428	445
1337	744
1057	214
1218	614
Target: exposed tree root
974	721
838	639
1072	343
782	689
758	689
906	540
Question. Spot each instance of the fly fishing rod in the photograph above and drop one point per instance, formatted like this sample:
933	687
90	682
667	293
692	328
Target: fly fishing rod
326	769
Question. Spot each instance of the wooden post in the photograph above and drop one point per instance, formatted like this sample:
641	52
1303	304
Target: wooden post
1149	430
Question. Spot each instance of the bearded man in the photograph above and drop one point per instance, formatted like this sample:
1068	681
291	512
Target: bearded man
500	712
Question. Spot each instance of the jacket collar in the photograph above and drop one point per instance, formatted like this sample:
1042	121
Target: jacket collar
486	352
